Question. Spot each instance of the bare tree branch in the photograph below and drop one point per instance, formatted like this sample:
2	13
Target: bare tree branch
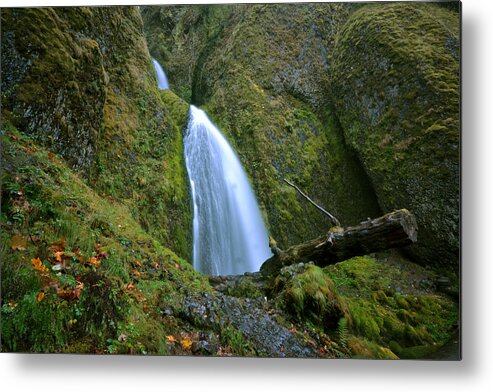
334	220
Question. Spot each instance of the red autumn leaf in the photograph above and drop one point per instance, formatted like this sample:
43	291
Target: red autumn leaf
139	296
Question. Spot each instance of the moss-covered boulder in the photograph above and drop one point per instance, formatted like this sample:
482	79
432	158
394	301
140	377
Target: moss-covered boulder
395	80
262	74
80	81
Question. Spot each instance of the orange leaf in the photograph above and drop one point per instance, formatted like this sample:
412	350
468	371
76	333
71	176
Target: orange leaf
38	265
186	344
130	286
136	273
58	256
19	242
138	263
40	297
95	262
171	338
155	264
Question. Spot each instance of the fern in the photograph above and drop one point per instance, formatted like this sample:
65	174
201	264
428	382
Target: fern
342	332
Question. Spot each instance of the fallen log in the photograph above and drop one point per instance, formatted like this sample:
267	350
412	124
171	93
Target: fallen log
393	230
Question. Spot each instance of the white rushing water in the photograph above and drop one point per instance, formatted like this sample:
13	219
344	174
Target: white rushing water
229	235
162	81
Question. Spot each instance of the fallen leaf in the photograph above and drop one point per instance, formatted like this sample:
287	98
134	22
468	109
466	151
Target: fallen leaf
137	263
171	338
186	344
58	256
130	286
57	246
19	242
155	264
38	265
69	295
40	296
95	262
139	296
136	273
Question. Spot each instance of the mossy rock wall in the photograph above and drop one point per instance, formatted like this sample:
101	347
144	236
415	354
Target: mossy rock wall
261	73
396	91
178	36
80	81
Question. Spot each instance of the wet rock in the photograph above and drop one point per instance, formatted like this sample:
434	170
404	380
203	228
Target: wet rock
252	317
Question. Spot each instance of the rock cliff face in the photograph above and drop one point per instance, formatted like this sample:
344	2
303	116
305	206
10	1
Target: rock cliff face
357	104
262	74
80	81
396	89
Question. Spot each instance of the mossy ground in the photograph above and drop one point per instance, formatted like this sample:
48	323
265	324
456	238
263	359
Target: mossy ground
119	307
380	307
392	303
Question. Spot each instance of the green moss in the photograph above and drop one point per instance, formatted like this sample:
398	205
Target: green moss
245	288
234	340
81	82
246	66
135	271
396	91
362	348
397	321
311	296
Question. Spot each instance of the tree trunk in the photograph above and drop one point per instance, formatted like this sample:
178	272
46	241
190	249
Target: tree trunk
393	230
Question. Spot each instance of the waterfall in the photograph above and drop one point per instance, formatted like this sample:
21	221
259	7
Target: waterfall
162	81
229	235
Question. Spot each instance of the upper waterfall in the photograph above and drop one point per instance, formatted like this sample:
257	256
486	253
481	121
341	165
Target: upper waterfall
162	81
229	234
